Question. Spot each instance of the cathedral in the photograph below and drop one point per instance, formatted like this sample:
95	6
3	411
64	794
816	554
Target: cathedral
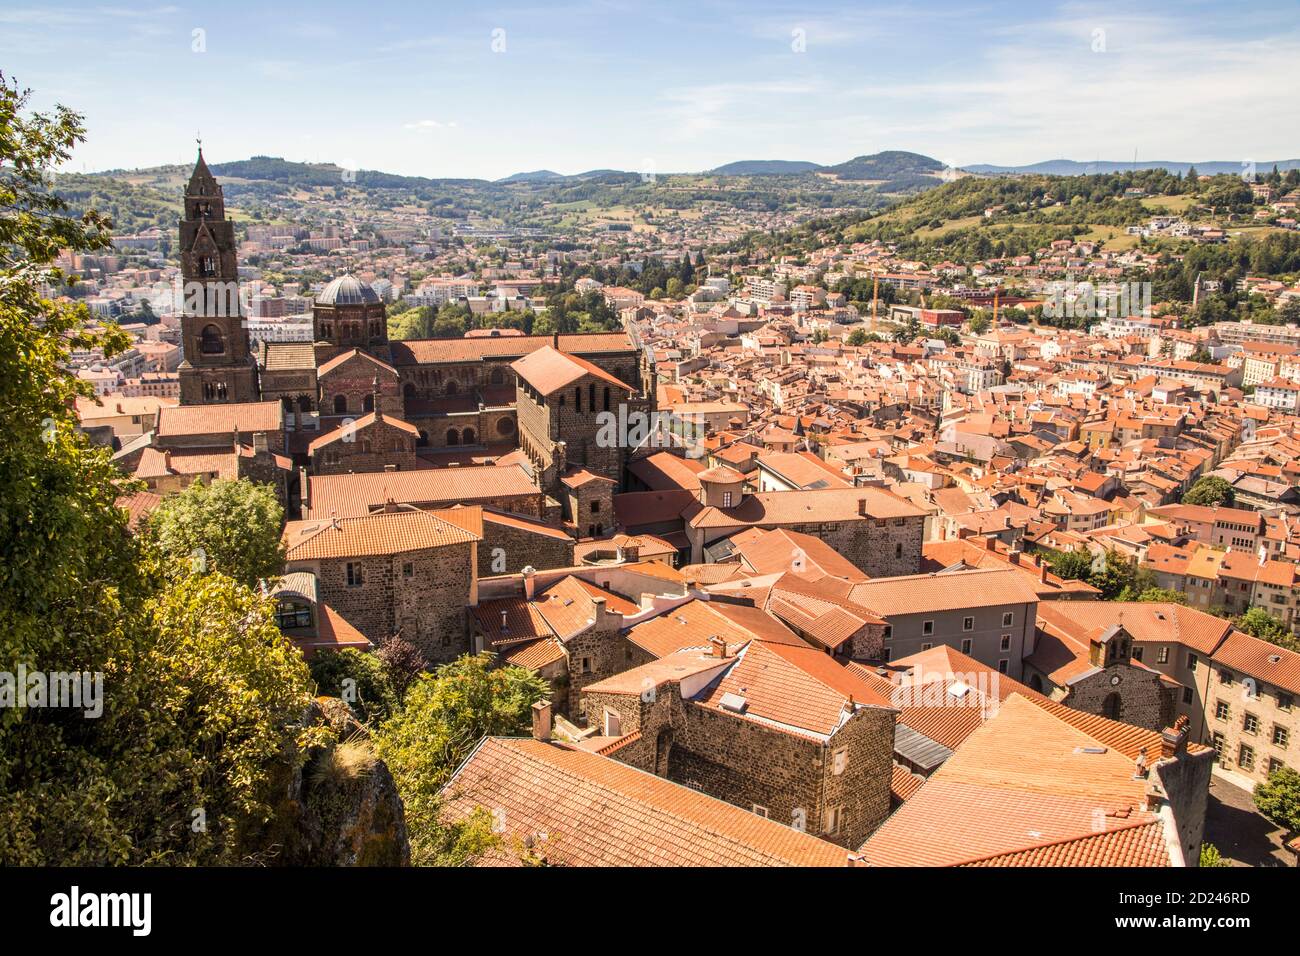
354	401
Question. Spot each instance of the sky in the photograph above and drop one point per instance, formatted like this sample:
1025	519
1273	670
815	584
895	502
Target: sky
484	90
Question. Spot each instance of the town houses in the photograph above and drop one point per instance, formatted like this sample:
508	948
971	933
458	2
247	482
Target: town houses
931	583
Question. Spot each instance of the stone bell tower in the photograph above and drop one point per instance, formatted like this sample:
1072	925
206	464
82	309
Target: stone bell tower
218	365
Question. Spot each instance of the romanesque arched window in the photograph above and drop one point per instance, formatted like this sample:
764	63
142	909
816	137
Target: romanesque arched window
467	437
453	437
340	404
452	388
211	341
497	376
368	403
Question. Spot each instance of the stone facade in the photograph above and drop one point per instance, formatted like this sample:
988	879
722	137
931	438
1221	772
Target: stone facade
421	595
837	790
218	364
372	444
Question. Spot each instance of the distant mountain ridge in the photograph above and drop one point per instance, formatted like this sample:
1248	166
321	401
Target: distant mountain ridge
1071	167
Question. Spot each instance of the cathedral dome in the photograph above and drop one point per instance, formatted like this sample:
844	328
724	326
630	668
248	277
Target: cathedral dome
348	290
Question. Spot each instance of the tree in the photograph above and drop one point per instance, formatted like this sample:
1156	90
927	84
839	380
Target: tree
443	718
858	337
230	686
1071	565
1259	623
979	323
1120	579
1209	491
195	679
362	680
1278	798
1210	857
227	526
1162	596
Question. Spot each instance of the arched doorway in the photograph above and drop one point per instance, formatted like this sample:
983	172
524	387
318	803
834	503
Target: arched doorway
453	437
663	751
1112	706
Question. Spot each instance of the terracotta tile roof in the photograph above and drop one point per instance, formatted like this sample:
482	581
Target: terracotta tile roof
664	470
333	632
339	359
1141	843
903	783
534	654
951	591
1145	621
360	424
138	506
1260	659
435	351
803	469
548	371
386	533
179	420
690	625
594	811
766	552
289	356
802	507
1023	780
671	669
797	689
345	495
158	463
641	509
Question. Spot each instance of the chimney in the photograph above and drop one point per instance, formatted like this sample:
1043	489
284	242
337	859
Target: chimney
1173	740
542	720
1139	765
1042	571
717	647
555	341
862	507
504	625
529	585
259	442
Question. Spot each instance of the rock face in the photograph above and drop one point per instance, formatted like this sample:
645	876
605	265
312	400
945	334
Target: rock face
341	807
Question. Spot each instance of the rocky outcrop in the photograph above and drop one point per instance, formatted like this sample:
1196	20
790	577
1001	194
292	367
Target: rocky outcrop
340	807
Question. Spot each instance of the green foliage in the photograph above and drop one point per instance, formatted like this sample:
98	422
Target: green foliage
857	337
1259	623
1210	856
228	526
1208	491
442	719
200	690
372	693
1071	565
1278	798
231	690
1162	596
1121	579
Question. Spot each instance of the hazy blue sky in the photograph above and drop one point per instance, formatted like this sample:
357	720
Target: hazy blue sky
484	90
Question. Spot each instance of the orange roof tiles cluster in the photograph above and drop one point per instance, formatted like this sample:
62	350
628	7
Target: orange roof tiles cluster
582	809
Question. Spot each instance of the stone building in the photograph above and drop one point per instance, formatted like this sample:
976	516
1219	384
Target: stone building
569	413
779	729
1237	693
218	364
876	530
400	571
1100	677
